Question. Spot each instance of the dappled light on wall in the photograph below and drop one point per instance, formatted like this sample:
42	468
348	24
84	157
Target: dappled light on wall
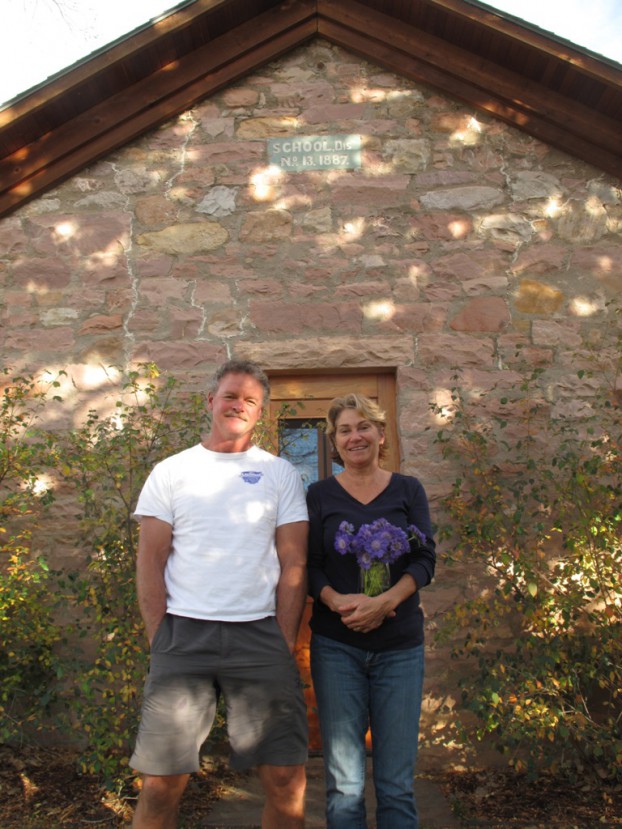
379	311
605	264
264	183
82	387
33	287
459	229
469	135
87	377
582	306
443	405
65	230
41	485
553	207
593	206
97	262
418	275
364	94
353	229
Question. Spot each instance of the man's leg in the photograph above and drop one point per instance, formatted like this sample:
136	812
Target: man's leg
284	787
158	803
266	717
179	705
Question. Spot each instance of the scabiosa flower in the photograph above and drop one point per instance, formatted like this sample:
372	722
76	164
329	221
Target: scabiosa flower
343	537
376	546
416	533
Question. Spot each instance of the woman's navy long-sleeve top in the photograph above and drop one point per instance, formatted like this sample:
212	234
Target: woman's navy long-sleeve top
402	503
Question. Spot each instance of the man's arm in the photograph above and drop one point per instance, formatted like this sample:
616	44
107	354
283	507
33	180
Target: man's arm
291	591
154	547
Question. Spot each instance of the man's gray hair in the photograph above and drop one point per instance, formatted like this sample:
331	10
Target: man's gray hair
242	367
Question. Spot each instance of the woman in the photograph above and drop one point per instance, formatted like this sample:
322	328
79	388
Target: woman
367	651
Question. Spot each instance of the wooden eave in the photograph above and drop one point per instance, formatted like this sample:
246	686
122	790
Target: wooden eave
556	92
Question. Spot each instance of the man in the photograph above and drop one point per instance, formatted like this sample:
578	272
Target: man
221	580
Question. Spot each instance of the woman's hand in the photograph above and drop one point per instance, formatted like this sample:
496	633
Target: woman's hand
365	613
337	602
360	612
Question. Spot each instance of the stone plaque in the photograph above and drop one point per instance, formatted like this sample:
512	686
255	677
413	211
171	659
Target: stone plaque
300	153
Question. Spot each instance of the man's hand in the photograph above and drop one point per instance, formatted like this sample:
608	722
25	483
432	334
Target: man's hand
291	591
154	547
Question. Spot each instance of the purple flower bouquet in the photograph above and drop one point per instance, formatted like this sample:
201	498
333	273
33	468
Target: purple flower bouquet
376	546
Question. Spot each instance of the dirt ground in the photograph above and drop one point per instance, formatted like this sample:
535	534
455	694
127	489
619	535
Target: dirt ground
41	789
497	800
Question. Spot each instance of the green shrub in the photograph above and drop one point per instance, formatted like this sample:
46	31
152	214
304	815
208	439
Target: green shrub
536	517
105	462
29	665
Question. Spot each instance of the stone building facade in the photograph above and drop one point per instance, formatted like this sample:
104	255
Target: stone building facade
458	241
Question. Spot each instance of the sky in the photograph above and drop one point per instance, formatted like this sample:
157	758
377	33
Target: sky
41	37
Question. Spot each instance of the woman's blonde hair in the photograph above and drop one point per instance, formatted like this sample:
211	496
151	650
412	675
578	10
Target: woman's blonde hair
364	406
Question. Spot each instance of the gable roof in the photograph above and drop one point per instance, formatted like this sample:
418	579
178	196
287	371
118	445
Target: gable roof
557	92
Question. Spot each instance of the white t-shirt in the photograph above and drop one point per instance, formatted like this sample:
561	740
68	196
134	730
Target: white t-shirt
224	509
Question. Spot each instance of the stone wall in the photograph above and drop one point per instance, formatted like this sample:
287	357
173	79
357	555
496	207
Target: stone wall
459	240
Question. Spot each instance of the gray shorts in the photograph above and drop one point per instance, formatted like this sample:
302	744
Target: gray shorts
192	661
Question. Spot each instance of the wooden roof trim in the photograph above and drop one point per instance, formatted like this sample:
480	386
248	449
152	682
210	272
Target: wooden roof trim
524	104
111	56
117	120
528	34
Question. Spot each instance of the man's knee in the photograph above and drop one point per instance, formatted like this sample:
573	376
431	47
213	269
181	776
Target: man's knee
283	783
162	793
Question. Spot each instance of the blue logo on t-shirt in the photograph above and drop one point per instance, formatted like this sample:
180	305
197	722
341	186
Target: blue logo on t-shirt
251	477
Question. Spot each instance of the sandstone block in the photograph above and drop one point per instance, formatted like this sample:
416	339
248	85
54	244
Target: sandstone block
13	239
541	259
158	291
381	191
530	184
548	332
330	352
441	226
184	323
462	198
101	322
319	220
185	238
220	201
509	228
227	322
152	211
289	317
106	199
41	273
211	291
602	263
537	298
408	155
267	127
266	226
240	96
58	316
137	180
337	113
454	349
179	356
482	314
582	221
229	153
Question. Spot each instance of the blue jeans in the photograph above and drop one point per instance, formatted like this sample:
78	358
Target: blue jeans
355	689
